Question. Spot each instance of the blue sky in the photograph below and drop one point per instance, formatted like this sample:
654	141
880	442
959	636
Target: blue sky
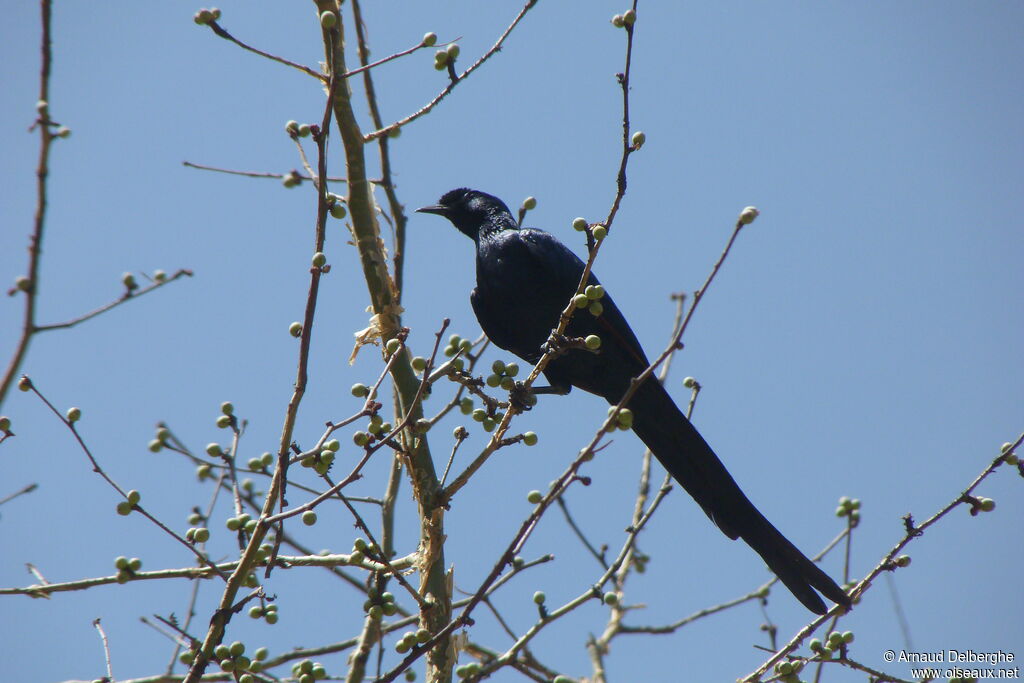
861	340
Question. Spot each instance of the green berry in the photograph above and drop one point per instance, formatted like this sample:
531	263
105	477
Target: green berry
534	497
360	390
222	651
419	363
422	636
156	445
579	224
224	421
328	19
466	406
493	380
295	329
429	39
319	259
214	450
318	672
392	346
539	597
638	139
237	648
233	523
128	280
689	382
135	564
626	418
74	414
489	424
600	232
594	292
596	308
227	407
261	654
121	562
507	383
592	342
530	438
987	504
5	423
124	508
848	637
271	618
617	21
134	497
202	535
304	130
580	301
479	414
511	369
376	612
748	215
453	51
530	203
611	598
24	384
292	127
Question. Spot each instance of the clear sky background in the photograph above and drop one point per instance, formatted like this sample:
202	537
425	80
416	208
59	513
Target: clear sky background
863	339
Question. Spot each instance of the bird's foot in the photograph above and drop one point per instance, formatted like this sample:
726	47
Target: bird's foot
521	398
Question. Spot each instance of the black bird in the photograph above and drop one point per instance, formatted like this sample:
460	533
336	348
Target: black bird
524	279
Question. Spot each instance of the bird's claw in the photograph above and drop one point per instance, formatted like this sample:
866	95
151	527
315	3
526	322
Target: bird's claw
521	398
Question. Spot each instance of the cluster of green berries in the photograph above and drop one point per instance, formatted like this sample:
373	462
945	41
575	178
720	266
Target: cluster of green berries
126	568
503	375
226	418
308	671
849	507
296	129
411	638
377	427
446	56
160	440
788	670
360	549
261	463
467	670
488	422
835	641
379	605
322	462
623	421
205	16
125	507
197	534
266	612
627	18
590	299
598	231
243	521
456	344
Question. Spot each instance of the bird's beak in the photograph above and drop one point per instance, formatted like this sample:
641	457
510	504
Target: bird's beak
438	209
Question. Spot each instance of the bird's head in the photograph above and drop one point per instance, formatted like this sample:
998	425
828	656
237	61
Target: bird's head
472	211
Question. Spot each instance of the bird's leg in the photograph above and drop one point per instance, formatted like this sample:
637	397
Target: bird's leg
522	398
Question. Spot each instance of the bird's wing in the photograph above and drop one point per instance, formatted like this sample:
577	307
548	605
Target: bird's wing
611	325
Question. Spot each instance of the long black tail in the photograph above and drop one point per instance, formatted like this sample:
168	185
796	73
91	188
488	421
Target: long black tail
684	453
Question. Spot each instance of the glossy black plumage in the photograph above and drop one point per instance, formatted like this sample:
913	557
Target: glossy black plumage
524	279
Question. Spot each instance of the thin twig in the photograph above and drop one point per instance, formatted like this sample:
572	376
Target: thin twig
219	30
454	82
